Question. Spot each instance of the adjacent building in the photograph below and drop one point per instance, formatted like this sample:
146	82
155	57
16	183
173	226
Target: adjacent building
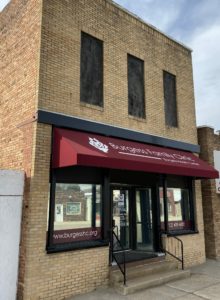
210	152
97	107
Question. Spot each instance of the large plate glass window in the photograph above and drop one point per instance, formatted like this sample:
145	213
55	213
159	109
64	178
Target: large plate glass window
179	205
77	215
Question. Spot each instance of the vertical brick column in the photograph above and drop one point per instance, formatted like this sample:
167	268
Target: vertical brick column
209	141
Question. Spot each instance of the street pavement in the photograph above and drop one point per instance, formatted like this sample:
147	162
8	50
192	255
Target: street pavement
204	283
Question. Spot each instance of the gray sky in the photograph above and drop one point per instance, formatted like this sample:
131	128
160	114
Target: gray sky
196	23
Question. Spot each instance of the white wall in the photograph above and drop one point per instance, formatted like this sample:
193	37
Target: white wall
11	197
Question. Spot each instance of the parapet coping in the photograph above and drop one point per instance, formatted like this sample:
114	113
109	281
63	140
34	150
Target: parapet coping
137	18
205	126
148	24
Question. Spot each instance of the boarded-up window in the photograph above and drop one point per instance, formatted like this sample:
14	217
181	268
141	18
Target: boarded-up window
169	83
136	101
91	70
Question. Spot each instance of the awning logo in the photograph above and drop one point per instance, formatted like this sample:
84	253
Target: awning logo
97	144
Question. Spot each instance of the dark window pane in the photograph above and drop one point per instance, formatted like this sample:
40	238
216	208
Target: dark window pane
136	102
91	73
170	106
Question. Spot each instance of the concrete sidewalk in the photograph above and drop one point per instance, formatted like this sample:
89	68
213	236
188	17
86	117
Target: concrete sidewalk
204	283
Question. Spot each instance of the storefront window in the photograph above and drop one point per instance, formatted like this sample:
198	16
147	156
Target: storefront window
77	215
179	207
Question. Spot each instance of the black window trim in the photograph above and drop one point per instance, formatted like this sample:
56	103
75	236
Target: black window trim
53	248
191	188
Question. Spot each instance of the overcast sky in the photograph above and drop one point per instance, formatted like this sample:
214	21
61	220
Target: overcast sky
196	23
3	3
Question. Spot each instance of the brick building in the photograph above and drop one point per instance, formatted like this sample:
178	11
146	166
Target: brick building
96	106
210	150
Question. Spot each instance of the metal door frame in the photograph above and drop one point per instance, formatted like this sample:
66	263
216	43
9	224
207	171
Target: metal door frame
132	212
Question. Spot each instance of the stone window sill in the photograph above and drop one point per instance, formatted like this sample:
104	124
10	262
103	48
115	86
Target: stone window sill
92	106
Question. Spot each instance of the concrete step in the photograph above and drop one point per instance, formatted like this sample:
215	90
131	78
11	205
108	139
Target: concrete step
159	258
149	281
142	270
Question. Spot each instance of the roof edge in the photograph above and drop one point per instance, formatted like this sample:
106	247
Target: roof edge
149	25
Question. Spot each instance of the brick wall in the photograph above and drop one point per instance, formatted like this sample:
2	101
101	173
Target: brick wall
27	145
209	141
58	275
20	28
59	91
194	244
121	33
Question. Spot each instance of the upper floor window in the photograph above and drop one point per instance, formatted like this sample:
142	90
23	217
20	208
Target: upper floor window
136	97
91	70
170	105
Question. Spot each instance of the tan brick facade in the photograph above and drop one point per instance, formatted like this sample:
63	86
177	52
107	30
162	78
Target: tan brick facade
20	29
209	141
41	70
121	33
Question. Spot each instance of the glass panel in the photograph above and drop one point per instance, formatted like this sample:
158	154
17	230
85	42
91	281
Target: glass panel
178	209
162	217
144	220
121	217
77	212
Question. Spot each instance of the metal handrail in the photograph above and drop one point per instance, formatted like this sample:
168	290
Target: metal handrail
123	270
163	249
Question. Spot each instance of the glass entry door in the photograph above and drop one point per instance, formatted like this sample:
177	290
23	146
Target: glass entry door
121	216
132	217
144	220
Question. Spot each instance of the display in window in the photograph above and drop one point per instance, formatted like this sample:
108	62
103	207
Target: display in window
73	208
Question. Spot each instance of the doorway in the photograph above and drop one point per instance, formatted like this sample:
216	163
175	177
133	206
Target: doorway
132	219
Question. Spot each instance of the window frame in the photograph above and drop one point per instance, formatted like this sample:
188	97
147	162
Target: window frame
77	245
99	104
143	116
191	192
174	123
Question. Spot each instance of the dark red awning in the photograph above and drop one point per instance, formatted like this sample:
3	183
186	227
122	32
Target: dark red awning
72	148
